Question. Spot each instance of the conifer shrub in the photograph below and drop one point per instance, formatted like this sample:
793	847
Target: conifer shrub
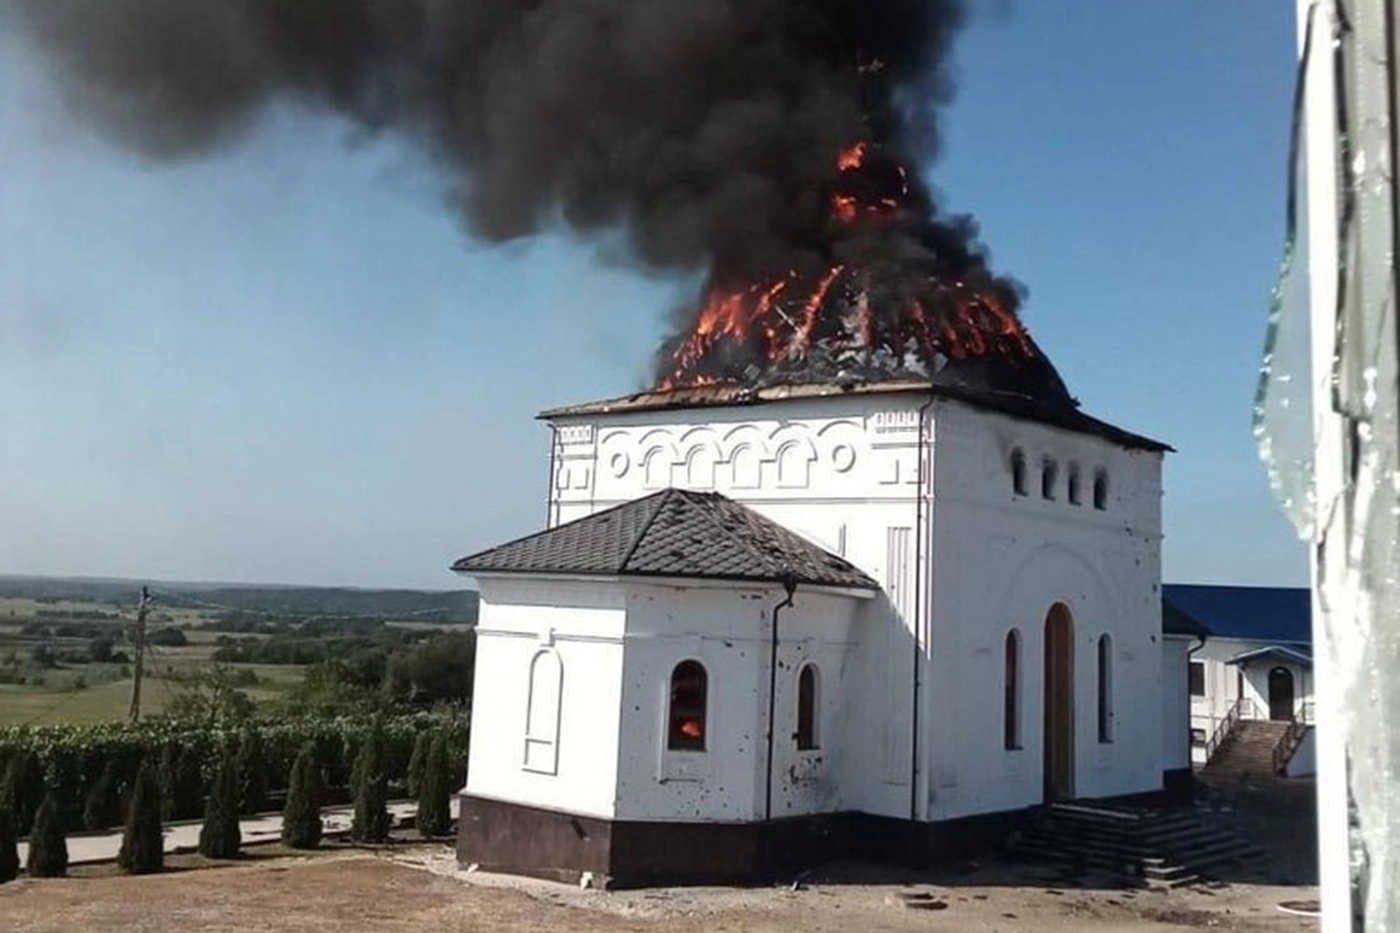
22	790
9	850
168	776
422	743
102	809
220	836
48	850
371	819
252	773
143	847
434	813
301	817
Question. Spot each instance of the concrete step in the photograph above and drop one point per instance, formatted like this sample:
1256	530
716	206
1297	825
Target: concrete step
1151	847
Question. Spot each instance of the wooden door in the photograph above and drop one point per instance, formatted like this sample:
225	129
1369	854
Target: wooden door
1058	705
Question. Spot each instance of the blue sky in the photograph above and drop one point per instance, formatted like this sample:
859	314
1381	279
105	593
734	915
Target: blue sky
289	363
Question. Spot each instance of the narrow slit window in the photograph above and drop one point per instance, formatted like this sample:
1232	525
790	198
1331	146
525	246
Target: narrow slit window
1100	491
1018	472
1073	485
689	699
1049	473
807	682
1105	689
1011	701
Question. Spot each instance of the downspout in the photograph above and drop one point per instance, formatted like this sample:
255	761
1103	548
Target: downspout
1191	653
790	585
917	623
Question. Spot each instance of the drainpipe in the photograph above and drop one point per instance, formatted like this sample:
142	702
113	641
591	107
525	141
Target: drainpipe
767	866
917	623
1191	653
790	585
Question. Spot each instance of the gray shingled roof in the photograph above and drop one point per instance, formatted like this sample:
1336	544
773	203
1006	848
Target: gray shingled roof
673	533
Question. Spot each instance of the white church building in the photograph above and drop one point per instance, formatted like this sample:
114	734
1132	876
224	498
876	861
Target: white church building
769	626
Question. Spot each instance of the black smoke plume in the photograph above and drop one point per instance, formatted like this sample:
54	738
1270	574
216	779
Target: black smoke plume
707	131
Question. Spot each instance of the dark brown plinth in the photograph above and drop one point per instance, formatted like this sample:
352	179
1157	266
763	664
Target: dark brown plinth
515	839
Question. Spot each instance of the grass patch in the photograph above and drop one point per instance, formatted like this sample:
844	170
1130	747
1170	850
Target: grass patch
52	704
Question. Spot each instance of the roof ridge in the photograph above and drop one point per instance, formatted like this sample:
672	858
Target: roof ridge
770	565
660	501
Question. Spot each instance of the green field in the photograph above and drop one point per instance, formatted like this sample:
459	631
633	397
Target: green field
46	705
107	694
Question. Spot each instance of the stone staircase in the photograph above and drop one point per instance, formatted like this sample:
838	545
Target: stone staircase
1151	847
1248	753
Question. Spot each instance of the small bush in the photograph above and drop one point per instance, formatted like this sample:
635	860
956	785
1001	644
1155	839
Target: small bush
9	850
301	818
23	789
181	779
371	820
168	638
252	773
143	847
102	809
48	851
419	760
434	813
220	836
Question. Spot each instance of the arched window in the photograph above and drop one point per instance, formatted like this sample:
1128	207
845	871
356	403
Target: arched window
689	696
1049	472
1105	689
1011	708
1018	472
542	713
1073	488
807	683
1100	490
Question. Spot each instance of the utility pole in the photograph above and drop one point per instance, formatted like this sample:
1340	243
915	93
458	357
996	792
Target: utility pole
138	643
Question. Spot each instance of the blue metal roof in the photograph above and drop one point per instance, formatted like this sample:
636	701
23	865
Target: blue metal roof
1258	613
1303	657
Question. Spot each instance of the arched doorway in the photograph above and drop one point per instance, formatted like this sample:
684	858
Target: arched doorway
1058	705
1281	694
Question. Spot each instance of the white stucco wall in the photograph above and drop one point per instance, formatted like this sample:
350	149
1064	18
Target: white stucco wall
1001	561
728	631
1304	760
1176	703
845	471
616	644
583	624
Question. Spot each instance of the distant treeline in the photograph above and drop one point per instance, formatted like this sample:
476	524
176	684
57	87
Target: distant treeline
451	606
459	606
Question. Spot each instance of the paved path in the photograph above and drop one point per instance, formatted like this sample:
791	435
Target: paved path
87	848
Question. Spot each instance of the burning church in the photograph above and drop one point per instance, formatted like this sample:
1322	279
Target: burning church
856	571
857	575
770	623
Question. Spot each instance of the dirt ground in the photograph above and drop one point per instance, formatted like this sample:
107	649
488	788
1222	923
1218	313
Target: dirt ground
421	888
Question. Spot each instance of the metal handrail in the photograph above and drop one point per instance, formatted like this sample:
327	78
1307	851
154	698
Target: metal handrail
1226	728
1292	736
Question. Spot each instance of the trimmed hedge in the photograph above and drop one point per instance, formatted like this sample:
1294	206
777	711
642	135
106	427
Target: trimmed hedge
48	850
74	758
301	817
